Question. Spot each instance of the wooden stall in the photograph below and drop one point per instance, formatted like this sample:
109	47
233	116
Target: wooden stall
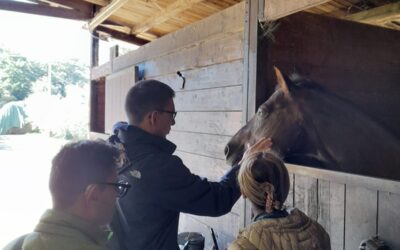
361	63
211	58
221	48
226	63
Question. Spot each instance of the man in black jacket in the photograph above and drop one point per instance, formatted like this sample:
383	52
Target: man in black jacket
162	186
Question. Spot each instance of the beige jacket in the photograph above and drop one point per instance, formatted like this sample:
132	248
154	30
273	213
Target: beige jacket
294	232
61	231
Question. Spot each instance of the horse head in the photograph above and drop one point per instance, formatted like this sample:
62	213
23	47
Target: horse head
279	118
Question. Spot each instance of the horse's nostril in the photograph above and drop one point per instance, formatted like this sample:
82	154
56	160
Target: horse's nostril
226	150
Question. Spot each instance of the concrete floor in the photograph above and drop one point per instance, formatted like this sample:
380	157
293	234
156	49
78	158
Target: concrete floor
25	167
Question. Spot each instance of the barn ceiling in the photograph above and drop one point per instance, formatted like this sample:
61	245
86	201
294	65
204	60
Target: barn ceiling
141	21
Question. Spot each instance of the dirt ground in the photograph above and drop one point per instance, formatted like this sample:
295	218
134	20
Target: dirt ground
25	167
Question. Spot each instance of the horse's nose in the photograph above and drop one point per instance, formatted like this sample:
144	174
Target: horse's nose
226	150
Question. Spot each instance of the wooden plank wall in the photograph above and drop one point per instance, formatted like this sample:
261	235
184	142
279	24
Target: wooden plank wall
351	208
210	56
117	86
360	63
357	61
97	105
209	107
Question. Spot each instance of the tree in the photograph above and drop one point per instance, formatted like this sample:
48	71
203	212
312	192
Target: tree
17	74
71	72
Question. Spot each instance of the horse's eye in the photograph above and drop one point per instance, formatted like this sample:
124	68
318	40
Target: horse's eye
262	113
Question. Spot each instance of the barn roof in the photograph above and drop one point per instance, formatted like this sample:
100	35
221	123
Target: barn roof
141	21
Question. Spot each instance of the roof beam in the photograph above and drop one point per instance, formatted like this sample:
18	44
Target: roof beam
379	15
73	4
44	10
173	9
122	36
275	9
105	12
99	2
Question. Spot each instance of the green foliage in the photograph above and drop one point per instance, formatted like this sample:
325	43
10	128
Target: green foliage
17	74
71	72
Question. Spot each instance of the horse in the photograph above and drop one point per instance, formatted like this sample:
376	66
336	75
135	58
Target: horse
311	126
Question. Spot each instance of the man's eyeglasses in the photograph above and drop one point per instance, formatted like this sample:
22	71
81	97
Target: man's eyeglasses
121	187
173	113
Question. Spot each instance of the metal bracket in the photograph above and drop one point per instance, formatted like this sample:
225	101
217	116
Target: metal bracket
184	79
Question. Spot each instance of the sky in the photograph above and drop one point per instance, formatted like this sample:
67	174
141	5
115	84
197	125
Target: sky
49	39
44	39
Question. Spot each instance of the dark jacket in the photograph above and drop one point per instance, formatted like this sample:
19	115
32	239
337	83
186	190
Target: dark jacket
162	187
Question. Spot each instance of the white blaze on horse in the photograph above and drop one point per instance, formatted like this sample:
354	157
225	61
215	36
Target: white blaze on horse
311	126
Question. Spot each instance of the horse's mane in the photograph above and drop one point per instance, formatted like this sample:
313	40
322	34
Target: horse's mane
322	95
319	101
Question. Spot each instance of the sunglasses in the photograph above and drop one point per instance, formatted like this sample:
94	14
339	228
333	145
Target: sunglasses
121	187
173	113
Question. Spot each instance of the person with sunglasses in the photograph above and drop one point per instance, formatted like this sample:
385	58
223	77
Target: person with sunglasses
84	187
162	185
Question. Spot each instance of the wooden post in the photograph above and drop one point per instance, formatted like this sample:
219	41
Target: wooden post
249	74
94	49
94	61
114	52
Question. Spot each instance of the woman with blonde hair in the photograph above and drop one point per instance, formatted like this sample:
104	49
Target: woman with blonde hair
264	180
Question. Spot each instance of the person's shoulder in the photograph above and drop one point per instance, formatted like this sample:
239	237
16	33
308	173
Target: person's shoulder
242	243
38	241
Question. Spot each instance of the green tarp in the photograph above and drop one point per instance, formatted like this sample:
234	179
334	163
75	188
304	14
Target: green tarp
12	115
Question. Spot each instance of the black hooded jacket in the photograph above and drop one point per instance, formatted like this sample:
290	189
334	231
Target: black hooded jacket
162	187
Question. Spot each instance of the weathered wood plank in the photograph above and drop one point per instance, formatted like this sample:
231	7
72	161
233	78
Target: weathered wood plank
97	106
275	9
331	213
218	75
117	86
378	15
105	12
218	99
200	144
170	11
361	215
290	199
39	9
220	123
389	218
229	20
345	178
189	223
213	51
316	37
100	71
212	169
306	195
227	225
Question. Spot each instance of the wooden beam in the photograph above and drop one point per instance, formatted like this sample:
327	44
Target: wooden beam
44	10
125	28
73	4
173	9
77	5
99	2
379	15
122	36
275	9
105	12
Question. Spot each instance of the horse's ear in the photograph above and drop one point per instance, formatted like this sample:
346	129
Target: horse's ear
283	84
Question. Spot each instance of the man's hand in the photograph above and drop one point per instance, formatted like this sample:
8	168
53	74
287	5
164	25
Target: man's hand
262	145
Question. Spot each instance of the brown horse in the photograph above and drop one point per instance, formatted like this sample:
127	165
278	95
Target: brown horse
311	126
